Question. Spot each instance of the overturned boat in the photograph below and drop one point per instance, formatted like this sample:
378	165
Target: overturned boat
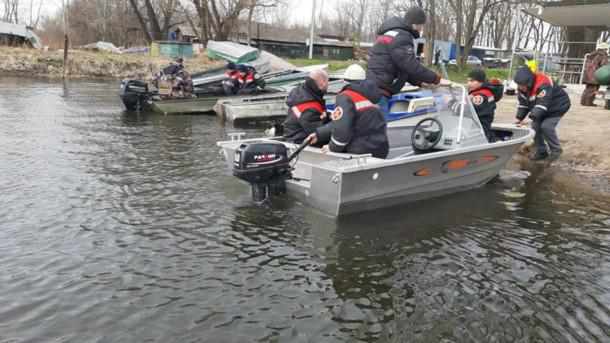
437	151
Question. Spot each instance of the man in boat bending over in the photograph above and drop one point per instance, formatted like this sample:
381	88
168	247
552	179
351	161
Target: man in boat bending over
358	125
230	84
306	108
546	103
249	80
393	60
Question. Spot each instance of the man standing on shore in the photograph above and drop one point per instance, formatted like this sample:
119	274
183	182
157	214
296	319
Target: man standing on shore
595	60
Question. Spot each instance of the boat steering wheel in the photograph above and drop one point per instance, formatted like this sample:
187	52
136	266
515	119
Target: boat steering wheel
426	134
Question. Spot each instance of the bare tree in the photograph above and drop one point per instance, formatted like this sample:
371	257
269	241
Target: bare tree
158	19
11	11
261	6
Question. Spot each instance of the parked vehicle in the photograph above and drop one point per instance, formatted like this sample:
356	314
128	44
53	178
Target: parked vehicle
472	61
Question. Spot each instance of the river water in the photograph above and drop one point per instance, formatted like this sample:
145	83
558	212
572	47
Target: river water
127	228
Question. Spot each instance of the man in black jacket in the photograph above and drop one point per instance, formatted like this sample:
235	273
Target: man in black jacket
483	100
306	108
392	60
545	103
358	126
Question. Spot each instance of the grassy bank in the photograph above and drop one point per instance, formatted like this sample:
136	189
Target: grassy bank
461	75
88	64
455	74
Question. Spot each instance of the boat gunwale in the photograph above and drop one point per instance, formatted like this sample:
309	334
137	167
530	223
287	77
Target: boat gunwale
380	163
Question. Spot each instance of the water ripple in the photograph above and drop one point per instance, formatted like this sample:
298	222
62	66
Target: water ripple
126	227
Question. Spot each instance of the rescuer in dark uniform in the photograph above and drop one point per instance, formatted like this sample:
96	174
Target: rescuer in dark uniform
484	96
358	126
545	103
392	60
306	108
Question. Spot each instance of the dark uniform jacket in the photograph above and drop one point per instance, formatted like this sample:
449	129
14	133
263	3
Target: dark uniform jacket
544	99
248	84
231	83
173	69
305	106
392	60
483	101
358	126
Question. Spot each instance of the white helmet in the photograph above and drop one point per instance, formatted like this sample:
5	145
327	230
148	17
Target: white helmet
354	73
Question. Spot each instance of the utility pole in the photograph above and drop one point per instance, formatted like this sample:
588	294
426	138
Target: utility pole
312	28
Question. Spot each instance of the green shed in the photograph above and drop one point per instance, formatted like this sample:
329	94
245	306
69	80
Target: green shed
171	49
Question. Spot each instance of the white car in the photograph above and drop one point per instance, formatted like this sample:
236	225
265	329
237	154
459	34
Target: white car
472	60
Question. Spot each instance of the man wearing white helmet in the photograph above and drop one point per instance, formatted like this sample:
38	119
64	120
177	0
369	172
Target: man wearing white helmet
358	125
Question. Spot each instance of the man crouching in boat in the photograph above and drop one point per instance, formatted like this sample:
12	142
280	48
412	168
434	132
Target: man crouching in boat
358	125
306	108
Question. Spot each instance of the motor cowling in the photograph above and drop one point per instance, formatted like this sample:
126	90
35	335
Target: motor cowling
265	166
134	93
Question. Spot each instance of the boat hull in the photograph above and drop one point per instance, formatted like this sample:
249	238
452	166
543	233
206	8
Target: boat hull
185	106
340	184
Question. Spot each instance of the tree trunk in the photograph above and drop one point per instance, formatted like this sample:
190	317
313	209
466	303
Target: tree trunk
154	22
361	19
250	14
457	5
431	37
147	35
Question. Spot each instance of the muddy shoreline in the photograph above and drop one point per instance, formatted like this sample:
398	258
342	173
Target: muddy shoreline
583	133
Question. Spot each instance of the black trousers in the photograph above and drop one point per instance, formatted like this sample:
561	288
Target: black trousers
486	122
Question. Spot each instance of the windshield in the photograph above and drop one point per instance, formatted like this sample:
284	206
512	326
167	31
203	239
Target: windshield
445	102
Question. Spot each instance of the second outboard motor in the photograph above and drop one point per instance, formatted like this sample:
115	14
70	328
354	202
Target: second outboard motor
265	166
134	94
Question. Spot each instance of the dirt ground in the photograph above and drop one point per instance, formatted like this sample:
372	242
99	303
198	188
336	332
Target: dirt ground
584	133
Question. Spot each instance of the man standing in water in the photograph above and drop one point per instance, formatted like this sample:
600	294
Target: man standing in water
545	103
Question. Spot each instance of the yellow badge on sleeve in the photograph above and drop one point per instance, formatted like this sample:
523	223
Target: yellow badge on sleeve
541	94
337	113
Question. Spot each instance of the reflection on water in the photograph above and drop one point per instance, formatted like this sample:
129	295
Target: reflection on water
125	227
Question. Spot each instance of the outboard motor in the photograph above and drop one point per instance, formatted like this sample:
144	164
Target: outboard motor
265	166
134	94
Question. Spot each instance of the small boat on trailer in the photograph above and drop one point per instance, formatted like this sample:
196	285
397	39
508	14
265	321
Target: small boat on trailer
444	152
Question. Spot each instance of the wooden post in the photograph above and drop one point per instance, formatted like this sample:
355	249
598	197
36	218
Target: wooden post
66	44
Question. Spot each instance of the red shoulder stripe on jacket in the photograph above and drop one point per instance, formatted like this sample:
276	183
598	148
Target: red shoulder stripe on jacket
310	105
360	101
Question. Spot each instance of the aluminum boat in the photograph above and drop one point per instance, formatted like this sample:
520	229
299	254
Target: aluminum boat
438	151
